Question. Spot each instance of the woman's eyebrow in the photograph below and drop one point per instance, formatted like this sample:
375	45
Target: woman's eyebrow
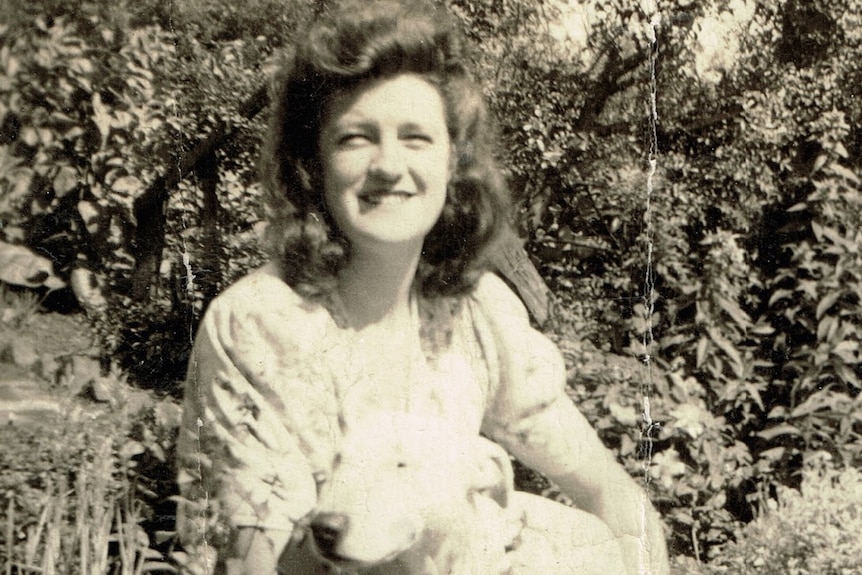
350	121
413	126
428	127
343	125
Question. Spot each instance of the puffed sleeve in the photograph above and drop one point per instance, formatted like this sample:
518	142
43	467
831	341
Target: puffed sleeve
529	412
258	411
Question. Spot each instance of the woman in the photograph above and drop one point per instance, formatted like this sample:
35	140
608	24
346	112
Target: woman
383	198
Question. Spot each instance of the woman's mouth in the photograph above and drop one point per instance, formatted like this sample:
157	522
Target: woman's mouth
385	198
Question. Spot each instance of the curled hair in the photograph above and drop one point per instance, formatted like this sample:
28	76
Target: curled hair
354	43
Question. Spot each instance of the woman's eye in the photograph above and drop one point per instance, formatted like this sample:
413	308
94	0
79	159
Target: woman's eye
418	140
352	140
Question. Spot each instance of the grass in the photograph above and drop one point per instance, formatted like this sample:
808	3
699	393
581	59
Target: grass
68	485
77	511
18	307
74	497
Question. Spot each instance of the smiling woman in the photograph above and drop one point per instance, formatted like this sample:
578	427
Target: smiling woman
383	198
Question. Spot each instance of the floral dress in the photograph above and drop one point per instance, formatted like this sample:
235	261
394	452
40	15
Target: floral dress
273	376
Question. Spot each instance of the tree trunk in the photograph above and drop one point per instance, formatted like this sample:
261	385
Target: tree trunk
511	261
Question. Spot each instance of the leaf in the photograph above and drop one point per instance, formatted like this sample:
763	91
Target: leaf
763	329
728	348
131	449
101	116
841	150
818	231
160	566
127	184
845	173
690	418
162	537
845	373
90	215
734	311
65	181
81	66
775	431
773	454
21	266
168	414
824	328
779	295
836	238
847	351
701	351
755	395
820	162
827	302
815	402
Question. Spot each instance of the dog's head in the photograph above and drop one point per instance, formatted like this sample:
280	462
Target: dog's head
400	484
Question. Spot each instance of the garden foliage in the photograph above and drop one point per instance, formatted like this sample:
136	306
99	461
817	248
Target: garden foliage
731	267
91	494
802	532
686	177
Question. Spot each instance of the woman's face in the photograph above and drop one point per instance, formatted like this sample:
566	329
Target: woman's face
385	156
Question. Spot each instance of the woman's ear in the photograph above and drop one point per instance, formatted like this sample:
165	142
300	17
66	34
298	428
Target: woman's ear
492	473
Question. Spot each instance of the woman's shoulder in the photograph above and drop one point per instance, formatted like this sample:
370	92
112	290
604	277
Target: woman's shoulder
264	289
261	302
494	296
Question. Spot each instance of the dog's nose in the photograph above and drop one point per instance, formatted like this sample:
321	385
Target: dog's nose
326	528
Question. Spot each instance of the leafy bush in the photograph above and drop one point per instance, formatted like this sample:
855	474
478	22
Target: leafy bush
731	272
96	107
801	532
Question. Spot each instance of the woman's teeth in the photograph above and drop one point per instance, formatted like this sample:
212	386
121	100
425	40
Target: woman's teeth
385	198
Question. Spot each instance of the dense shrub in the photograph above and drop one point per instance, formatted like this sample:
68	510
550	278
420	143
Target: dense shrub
801	532
98	106
730	267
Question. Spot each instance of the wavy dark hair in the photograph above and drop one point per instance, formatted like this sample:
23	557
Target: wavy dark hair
355	42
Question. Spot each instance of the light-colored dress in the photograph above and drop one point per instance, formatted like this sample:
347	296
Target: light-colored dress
273	375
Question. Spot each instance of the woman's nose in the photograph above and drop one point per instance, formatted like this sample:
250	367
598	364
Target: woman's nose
388	161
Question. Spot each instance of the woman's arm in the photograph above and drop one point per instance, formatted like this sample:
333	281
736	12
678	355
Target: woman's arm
265	552
255	429
533	418
254	551
556	439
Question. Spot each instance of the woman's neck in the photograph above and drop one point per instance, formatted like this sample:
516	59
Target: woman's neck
377	288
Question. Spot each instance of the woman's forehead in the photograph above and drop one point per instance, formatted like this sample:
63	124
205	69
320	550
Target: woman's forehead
408	96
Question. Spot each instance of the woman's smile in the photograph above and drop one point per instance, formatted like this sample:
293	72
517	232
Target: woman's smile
385	152
384	198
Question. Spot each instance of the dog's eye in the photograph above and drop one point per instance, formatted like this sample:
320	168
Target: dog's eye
401	465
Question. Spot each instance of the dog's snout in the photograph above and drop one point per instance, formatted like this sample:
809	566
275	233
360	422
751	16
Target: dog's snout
327	528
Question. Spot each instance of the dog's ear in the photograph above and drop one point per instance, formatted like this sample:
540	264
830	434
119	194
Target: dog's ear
493	475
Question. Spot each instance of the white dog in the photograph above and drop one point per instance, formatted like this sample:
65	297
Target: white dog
409	496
